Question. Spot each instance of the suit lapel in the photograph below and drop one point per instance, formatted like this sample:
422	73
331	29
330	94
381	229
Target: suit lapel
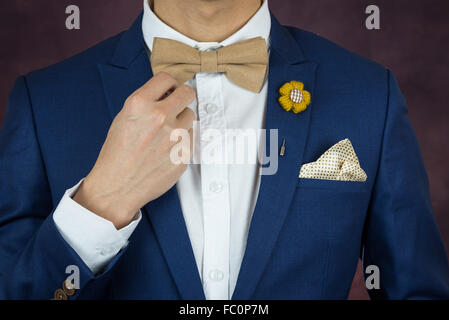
119	83
169	226
276	191
128	70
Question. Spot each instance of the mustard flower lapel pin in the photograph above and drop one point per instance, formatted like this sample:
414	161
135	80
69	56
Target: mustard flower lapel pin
294	97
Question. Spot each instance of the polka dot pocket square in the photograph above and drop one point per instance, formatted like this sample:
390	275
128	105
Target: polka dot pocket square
339	163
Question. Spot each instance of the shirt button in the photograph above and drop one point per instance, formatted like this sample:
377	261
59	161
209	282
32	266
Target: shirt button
211	108
216	187
216	275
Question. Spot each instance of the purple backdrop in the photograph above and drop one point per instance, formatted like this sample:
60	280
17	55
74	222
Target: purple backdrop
413	42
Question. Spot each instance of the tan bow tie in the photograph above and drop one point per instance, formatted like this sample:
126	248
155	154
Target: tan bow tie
244	63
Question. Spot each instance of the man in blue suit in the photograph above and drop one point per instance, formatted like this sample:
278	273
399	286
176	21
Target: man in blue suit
88	183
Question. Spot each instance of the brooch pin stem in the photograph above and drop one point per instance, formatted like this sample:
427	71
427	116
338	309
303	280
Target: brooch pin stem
282	152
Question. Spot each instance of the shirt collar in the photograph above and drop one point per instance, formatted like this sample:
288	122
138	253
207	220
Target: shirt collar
258	26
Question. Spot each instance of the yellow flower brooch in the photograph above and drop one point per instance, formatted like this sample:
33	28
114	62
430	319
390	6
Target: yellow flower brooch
294	97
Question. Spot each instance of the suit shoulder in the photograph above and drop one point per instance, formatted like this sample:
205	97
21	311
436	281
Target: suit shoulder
81	62
328	53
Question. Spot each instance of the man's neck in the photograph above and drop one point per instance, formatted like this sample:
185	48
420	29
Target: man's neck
206	20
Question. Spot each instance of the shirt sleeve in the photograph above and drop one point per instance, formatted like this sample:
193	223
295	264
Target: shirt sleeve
94	239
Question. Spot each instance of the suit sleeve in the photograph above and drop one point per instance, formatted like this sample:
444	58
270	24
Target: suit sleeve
33	254
401	236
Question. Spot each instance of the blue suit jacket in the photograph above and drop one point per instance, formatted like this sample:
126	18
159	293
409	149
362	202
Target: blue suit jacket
306	236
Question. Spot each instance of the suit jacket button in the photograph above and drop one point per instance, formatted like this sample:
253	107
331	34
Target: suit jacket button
60	295
68	289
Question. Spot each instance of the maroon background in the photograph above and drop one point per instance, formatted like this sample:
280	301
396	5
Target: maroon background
413	42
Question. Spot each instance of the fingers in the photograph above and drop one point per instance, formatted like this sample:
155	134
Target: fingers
183	148
185	119
160	97
191	142
157	87
179	100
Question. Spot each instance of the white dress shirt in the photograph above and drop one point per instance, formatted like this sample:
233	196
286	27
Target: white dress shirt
217	200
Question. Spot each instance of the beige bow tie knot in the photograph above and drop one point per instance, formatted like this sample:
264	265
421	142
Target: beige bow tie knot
244	63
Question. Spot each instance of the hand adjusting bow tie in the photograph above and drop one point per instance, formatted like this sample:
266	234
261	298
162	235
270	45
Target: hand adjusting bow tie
244	63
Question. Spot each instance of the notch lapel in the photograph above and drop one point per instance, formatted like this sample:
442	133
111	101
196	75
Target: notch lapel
128	70
287	63
119	83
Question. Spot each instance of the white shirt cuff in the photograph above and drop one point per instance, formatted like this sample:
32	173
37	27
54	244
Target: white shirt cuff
94	239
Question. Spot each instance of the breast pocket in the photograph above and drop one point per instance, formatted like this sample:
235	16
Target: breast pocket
330	215
337	186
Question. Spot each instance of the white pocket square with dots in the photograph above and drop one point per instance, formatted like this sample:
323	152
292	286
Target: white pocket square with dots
339	163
